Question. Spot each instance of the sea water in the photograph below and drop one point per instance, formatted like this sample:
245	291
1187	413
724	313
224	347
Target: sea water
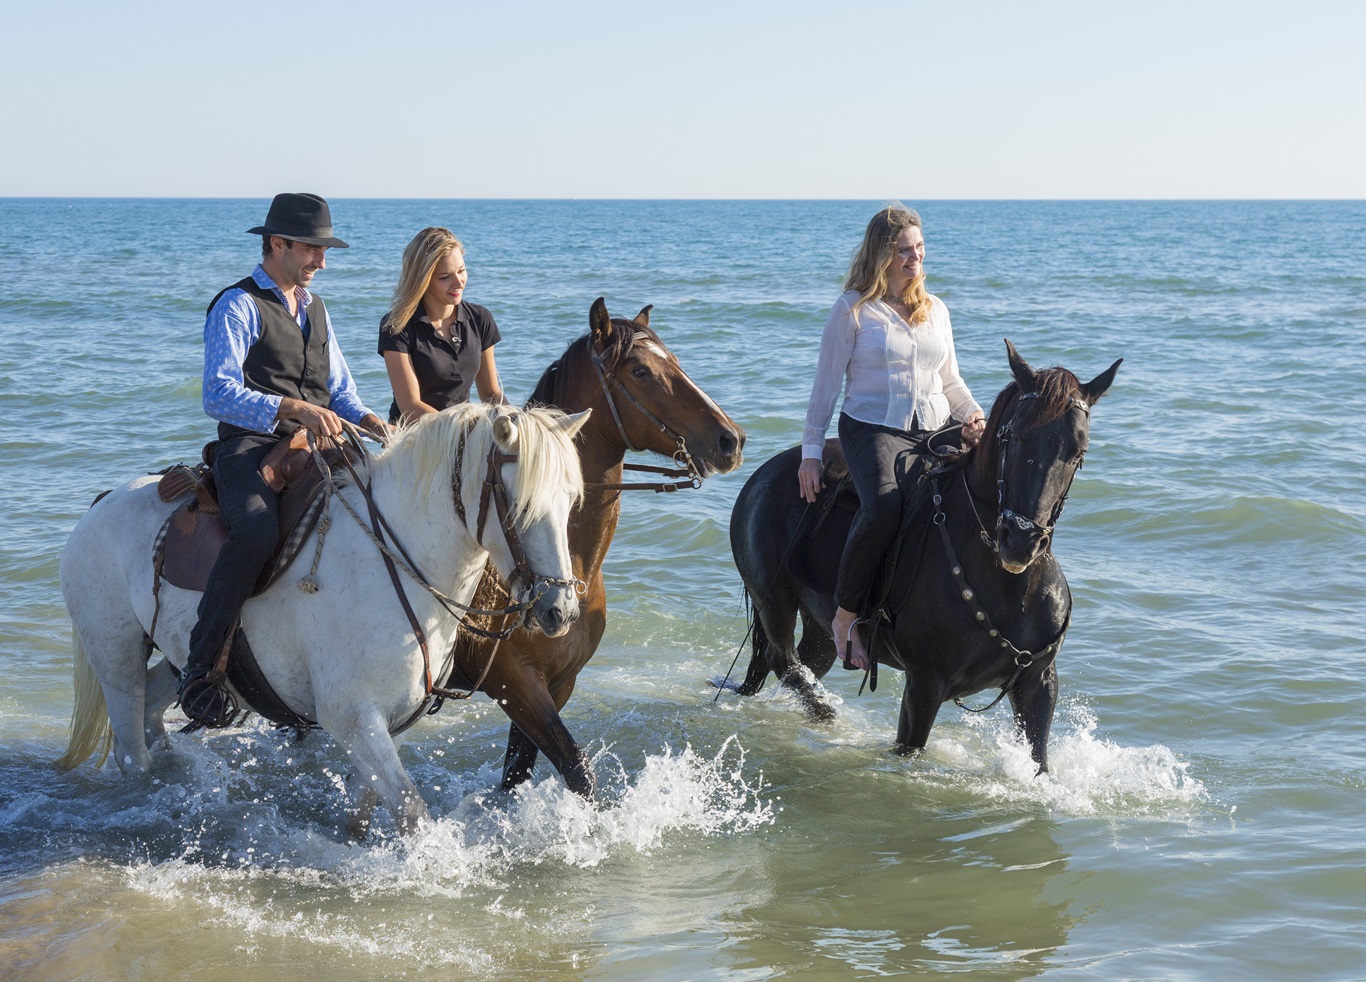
1203	812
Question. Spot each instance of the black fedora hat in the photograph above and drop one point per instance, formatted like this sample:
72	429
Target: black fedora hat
301	217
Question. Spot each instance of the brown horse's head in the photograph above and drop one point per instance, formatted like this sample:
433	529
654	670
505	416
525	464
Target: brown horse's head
1037	435
640	396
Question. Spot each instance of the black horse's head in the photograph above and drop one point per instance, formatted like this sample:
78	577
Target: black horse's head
1037	435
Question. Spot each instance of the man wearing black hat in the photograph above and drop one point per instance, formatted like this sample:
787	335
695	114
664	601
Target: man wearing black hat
271	365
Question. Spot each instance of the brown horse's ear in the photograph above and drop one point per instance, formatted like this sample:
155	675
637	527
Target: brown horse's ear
643	318
599	320
1097	387
1024	375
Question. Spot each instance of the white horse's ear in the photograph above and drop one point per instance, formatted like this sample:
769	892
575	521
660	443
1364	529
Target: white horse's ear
571	425
505	431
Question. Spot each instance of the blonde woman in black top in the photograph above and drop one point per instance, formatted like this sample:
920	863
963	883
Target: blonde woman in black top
436	344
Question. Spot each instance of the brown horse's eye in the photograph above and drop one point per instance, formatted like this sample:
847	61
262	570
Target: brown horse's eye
640	371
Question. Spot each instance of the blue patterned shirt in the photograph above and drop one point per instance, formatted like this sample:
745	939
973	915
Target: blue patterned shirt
232	327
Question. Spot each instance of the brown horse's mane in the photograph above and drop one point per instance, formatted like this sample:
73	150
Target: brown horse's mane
550	390
1056	388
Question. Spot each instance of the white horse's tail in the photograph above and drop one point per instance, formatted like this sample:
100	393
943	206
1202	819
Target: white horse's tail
90	729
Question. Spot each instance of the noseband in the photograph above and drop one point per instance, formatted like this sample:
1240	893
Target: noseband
1004	513
609	381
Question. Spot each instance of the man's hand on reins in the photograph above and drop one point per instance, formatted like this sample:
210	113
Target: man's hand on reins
316	419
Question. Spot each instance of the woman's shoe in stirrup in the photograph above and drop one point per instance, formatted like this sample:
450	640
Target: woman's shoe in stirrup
855	641
844	639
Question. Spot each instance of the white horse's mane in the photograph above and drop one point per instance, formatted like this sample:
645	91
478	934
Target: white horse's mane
422	452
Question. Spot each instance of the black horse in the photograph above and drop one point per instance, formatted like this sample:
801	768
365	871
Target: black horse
974	598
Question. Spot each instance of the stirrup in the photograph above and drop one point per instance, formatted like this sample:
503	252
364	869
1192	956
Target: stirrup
208	702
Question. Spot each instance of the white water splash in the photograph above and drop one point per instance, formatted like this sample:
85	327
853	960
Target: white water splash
1088	775
485	834
271	879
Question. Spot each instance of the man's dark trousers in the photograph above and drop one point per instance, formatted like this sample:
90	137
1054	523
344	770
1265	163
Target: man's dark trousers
251	512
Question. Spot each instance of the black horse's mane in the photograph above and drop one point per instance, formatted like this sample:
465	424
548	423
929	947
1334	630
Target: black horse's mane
550	389
1056	388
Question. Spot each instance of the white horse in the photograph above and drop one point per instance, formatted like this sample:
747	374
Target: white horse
345	655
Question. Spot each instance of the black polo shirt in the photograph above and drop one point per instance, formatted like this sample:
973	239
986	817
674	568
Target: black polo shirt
445	370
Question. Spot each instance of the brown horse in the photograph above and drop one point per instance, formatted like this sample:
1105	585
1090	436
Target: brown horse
642	400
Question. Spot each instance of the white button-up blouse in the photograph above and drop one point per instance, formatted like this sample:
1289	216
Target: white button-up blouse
891	371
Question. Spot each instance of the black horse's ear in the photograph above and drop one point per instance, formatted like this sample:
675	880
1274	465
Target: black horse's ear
643	318
599	320
1024	375
1097	387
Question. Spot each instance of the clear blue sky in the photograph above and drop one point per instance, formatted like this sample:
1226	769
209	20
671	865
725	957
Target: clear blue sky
947	99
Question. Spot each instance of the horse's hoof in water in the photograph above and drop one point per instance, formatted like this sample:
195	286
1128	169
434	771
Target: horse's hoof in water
730	685
901	750
580	779
819	711
356	829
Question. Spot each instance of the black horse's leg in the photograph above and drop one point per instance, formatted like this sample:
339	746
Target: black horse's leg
779	618
759	667
519	760
817	647
920	702
1034	698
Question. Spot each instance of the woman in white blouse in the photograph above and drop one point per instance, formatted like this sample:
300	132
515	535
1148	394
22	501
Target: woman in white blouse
890	345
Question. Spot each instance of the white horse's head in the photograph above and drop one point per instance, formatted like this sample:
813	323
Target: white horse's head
526	458
539	468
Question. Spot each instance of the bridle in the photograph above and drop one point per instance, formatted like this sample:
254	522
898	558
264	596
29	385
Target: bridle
687	467
495	490
535	584
1003	511
1022	659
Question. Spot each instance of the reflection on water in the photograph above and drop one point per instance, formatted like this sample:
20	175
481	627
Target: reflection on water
939	895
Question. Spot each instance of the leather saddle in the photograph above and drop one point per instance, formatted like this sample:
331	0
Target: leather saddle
194	534
816	555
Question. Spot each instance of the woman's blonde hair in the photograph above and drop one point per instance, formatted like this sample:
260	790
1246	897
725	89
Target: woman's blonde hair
874	257
428	248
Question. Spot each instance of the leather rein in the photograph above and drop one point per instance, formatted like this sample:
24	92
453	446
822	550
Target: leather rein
494	490
687	467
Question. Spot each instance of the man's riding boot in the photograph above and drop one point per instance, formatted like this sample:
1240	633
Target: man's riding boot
204	694
251	512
